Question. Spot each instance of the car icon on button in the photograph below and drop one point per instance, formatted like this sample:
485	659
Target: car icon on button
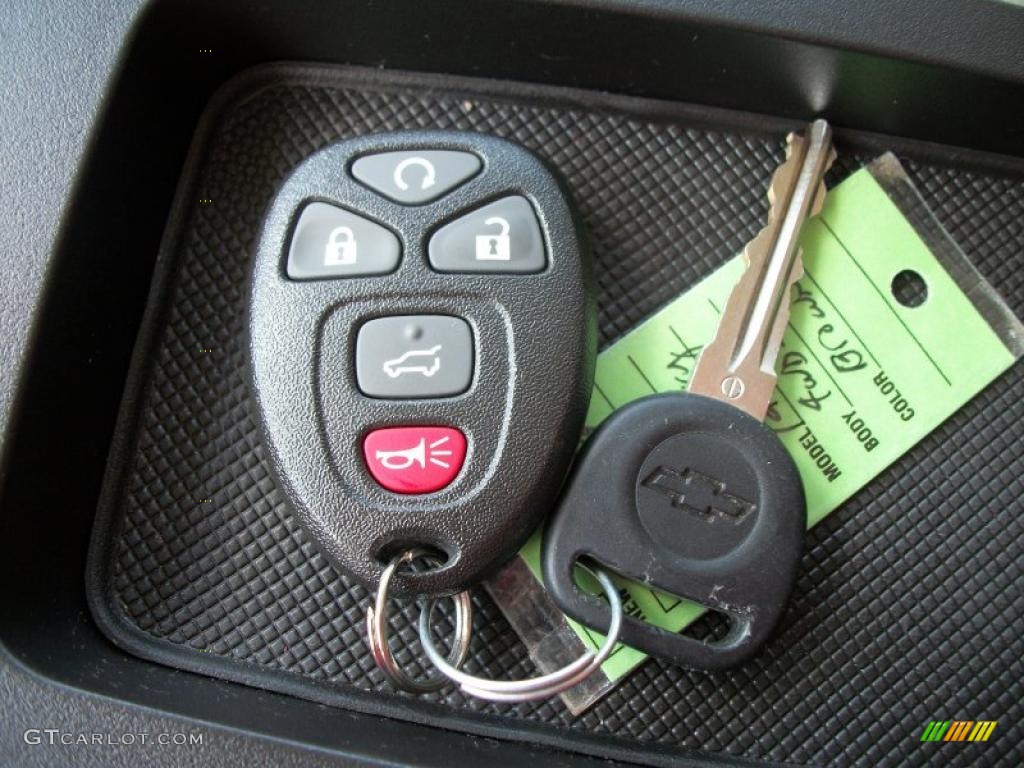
425	362
414	356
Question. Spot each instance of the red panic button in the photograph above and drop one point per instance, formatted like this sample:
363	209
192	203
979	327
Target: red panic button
414	459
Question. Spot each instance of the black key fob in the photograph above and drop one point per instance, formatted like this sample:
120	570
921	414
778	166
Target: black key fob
692	497
422	345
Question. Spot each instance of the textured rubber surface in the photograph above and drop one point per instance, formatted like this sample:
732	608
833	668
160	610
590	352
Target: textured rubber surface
908	607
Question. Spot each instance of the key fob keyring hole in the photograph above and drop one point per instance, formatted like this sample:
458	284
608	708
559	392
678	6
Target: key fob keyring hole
431	563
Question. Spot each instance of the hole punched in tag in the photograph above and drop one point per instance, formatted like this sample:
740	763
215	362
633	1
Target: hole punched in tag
909	288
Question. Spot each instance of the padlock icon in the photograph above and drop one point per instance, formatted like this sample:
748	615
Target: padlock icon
496	247
341	248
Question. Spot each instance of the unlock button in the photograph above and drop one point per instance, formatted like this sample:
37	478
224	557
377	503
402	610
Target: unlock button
503	236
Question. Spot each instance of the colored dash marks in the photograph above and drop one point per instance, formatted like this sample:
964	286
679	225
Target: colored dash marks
958	730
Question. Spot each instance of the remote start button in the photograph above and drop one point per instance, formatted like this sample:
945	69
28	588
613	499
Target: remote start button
414	459
416	176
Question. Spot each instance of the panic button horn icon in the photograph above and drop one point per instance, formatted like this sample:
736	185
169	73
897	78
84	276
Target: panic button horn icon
414	459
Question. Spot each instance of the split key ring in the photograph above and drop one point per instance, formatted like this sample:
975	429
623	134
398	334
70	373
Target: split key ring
505	691
377	628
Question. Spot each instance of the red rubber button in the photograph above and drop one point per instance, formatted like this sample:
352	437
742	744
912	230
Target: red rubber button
414	459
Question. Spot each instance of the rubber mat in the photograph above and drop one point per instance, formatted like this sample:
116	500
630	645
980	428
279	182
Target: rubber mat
909	605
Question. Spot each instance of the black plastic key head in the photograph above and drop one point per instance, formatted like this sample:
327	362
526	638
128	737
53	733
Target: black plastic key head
692	497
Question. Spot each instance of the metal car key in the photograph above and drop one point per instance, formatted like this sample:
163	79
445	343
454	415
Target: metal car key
690	493
422	343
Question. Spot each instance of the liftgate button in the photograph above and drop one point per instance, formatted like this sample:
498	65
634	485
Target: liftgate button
414	459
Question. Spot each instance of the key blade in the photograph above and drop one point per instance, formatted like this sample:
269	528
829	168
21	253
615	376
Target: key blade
738	366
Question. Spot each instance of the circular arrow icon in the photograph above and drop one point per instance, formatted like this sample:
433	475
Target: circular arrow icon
429	176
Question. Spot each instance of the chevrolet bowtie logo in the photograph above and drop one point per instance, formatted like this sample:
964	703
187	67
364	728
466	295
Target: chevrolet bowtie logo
698	493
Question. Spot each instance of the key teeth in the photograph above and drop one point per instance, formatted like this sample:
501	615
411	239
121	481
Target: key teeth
797	271
748	338
790	166
819	201
794	142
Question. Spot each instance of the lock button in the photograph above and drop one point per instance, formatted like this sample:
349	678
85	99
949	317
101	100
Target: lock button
341	248
332	242
503	236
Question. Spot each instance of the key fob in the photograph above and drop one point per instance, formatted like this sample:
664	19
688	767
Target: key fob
422	337
692	497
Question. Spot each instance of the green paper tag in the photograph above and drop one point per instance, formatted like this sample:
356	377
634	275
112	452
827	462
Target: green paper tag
862	377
